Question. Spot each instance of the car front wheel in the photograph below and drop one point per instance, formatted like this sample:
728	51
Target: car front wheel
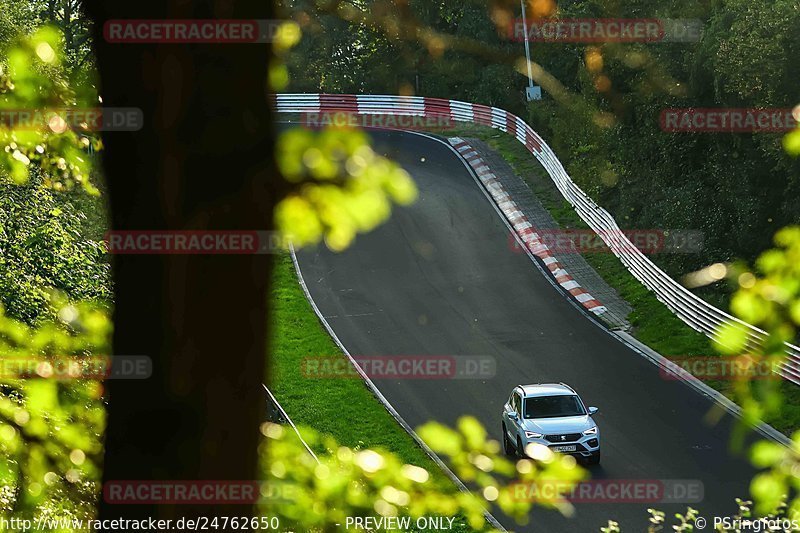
594	459
508	448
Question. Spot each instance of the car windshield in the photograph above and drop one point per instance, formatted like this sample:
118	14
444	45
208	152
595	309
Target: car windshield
553	407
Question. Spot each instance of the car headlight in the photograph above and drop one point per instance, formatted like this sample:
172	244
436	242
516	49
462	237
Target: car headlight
591	431
532	435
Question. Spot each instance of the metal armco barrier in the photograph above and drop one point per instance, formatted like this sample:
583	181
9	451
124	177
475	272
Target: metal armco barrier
691	309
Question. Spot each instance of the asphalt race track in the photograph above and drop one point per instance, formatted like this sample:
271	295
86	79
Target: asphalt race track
441	279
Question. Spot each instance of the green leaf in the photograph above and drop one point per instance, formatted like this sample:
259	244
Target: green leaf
768	490
730	339
765	454
791	143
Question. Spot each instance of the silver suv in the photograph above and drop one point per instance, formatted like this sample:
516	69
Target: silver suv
553	415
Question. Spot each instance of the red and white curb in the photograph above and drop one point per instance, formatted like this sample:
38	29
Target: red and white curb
524	228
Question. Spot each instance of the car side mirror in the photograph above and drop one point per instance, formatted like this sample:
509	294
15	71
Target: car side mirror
513	415
593	410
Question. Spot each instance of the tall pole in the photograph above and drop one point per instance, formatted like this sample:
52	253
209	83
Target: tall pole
527	46
532	92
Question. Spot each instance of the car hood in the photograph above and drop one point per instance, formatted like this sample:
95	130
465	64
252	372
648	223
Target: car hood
567	424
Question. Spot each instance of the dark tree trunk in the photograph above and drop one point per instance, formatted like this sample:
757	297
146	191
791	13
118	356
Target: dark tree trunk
202	161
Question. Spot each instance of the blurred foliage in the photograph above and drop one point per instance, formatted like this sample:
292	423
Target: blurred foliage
55	282
34	80
50	430
769	298
745	519
341	187
344	188
42	248
23	18
310	495
657	522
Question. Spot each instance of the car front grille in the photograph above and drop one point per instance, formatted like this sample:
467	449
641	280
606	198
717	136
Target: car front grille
567	437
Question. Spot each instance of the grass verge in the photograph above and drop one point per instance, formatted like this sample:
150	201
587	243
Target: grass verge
343	408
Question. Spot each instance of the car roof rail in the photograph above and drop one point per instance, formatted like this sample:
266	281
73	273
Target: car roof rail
567	386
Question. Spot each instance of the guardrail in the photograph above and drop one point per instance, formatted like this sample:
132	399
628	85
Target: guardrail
691	309
277	415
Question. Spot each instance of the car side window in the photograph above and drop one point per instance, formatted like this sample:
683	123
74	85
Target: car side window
518	404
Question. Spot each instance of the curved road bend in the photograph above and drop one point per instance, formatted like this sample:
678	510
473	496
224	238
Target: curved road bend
440	279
